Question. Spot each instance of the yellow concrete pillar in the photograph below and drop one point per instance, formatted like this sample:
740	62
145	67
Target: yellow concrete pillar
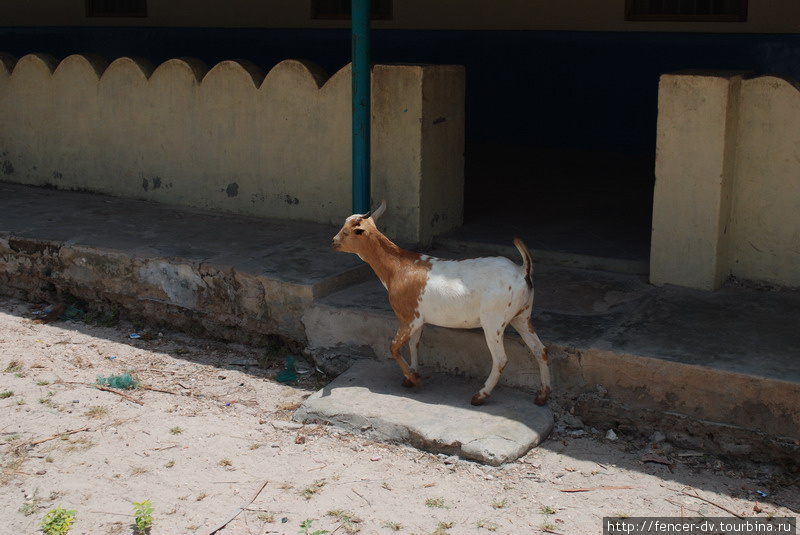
696	138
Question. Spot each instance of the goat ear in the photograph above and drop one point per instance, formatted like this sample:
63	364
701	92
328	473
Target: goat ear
378	211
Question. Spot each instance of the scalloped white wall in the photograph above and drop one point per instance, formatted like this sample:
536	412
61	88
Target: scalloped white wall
233	138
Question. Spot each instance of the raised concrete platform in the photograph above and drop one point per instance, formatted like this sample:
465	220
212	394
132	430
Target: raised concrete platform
236	277
435	416
715	371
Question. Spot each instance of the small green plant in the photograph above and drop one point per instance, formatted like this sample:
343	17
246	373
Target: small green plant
57	521
96	412
547	510
485	524
267	517
500	504
313	489
12	437
28	508
143	516
394	526
305	526
435	503
177	430
348	520
14	366
442	528
548	527
6	394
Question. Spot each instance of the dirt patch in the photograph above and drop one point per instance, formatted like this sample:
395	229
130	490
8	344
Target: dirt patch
208	431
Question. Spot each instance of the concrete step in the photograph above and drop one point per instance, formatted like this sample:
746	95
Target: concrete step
700	367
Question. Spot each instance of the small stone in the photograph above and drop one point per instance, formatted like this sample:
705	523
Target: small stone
658	437
375	458
572	422
453	459
611	435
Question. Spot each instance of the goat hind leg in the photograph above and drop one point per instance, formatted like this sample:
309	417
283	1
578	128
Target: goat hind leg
524	327
494	339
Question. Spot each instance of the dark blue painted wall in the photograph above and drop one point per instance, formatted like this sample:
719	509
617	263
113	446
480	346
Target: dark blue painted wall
579	89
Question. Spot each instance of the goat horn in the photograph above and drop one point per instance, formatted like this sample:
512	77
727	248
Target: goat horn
378	211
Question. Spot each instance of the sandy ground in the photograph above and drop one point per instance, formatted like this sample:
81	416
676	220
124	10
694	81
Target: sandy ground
208	429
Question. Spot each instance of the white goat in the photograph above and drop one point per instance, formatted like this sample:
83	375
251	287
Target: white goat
480	292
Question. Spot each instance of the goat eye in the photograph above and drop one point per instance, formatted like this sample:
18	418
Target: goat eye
359	231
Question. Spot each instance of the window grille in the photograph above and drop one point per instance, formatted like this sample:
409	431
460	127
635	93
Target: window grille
686	10
116	8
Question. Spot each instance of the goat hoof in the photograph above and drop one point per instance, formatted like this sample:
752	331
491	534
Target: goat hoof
479	399
408	383
541	397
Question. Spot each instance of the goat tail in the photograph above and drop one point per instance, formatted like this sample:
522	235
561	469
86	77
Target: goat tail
527	262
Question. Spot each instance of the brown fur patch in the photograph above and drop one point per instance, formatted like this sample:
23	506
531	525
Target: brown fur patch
404	273
531	328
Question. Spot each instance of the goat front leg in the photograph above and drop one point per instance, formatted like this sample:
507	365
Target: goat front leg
524	326
402	337
413	344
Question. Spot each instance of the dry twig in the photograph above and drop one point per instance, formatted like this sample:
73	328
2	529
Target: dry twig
238	511
588	489
59	435
126	396
712	503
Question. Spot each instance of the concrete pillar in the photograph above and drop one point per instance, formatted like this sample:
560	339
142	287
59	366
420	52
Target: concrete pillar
418	149
695	154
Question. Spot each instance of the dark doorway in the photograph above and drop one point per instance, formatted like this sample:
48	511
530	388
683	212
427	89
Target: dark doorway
574	201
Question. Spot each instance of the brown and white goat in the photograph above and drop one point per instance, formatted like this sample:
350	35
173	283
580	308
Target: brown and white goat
480	292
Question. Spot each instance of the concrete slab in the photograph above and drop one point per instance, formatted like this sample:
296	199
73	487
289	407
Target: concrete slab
435	416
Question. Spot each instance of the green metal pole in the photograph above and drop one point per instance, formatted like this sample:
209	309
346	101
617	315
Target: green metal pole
361	106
